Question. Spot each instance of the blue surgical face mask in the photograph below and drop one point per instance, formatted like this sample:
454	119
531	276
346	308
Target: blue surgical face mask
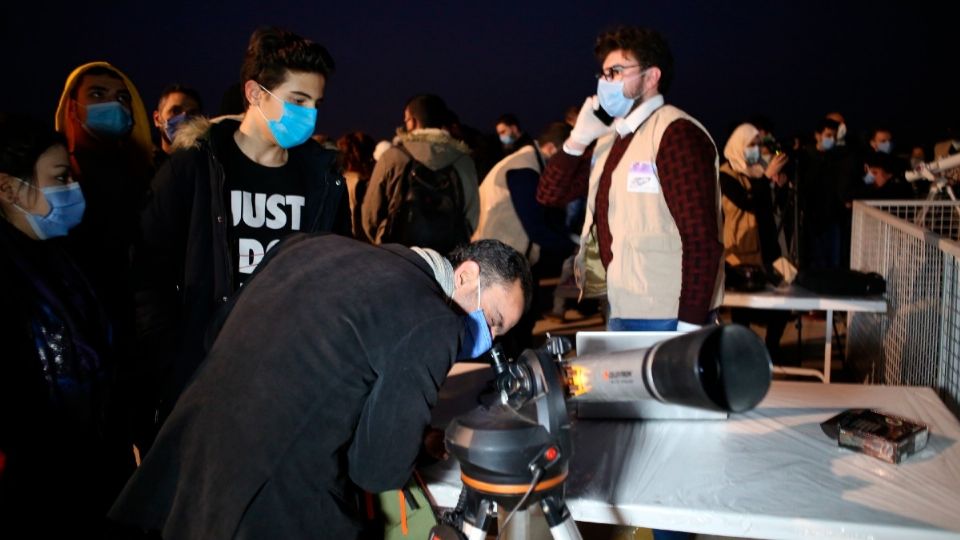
869	179
751	154
885	146
294	127
827	143
506	138
66	210
110	119
477	339
173	124
610	94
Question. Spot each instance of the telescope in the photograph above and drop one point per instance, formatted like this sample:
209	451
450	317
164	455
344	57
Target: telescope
932	172
927	171
515	452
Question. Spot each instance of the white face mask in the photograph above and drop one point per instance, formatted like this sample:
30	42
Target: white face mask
751	154
842	133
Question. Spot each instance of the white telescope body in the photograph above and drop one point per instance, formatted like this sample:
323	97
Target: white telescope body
927	171
717	368
615	377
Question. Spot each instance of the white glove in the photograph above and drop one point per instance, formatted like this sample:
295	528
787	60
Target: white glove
588	127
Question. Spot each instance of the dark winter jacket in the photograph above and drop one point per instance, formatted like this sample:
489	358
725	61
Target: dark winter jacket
322	378
62	447
184	265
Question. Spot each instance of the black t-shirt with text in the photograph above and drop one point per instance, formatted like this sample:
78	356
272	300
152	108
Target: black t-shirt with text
266	205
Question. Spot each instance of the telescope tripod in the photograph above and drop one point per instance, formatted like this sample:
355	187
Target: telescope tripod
940	185
476	512
937	187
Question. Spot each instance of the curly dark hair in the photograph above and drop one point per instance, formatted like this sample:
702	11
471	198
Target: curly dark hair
499	263
646	45
272	52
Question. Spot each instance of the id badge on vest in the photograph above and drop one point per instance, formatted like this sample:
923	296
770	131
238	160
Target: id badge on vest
642	178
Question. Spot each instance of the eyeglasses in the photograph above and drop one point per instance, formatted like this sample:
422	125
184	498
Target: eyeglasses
614	72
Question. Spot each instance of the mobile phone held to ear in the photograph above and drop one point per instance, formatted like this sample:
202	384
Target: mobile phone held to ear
603	116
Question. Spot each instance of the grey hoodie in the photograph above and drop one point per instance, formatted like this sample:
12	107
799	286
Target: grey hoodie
436	149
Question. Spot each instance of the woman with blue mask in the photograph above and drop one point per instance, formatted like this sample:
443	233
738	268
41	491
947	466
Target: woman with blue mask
751	237
61	449
233	190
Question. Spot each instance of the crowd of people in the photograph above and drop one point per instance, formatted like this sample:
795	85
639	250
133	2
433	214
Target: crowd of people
239	330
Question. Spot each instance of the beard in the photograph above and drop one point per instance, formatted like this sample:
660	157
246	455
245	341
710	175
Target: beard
634	91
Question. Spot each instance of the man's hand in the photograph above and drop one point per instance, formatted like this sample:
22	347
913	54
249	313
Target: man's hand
588	127
433	444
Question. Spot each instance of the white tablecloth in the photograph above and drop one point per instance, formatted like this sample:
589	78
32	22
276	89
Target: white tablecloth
769	473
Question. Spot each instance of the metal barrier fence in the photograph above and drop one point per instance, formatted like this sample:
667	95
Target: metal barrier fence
914	246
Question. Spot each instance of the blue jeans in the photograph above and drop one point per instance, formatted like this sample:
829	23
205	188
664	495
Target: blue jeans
649	325
641	325
670	535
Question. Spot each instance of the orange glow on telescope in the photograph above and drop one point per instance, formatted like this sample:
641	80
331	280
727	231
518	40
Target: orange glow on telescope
578	380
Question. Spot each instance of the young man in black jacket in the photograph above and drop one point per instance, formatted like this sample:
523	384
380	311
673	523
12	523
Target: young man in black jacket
227	196
320	381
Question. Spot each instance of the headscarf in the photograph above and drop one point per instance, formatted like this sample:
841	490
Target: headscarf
736	145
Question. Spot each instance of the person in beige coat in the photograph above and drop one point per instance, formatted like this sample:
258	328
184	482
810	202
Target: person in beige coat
750	234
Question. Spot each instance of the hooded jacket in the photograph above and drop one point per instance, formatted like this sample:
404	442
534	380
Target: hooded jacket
139	134
114	175
436	149
184	265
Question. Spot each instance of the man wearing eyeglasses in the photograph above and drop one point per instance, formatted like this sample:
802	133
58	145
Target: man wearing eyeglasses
651	241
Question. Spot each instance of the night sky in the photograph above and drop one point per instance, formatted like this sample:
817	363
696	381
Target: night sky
877	62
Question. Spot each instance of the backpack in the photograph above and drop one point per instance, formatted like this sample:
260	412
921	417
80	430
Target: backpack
431	211
745	277
842	282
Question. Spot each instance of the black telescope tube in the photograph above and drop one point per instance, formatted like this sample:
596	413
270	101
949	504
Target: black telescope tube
724	368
